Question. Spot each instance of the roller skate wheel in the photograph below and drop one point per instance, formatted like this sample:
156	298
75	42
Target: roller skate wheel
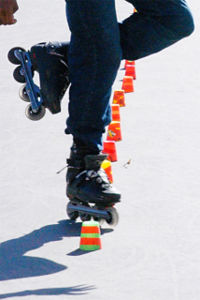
73	215
85	217
23	94
114	217
17	74
12	57
35	116
99	220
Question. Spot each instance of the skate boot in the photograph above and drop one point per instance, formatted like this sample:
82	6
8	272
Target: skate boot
50	61
87	183
52	67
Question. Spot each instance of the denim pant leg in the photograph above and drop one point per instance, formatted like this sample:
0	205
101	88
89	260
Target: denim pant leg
157	25
94	57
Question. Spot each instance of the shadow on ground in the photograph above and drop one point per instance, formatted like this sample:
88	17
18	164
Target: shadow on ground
15	264
74	290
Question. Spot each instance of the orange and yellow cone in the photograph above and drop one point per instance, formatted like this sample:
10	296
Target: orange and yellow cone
115	112
90	236
119	98
106	165
109	148
114	131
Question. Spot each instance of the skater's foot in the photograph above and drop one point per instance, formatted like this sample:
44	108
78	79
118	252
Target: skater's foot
50	60
87	181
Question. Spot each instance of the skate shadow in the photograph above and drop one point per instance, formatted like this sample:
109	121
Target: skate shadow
14	264
73	291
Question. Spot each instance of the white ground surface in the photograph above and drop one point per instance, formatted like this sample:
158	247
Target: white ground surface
153	254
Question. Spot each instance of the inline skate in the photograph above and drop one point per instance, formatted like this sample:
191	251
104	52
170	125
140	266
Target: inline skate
89	190
50	61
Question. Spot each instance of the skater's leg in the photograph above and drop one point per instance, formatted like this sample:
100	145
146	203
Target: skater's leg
94	58
157	25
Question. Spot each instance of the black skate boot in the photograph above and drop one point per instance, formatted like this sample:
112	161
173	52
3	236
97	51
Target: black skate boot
86	181
50	60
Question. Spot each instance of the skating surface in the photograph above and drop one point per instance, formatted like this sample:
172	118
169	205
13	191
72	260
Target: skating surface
154	251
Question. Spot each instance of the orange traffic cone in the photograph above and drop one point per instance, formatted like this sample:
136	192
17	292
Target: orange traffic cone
106	165
127	84
119	98
130	71
109	148
129	62
114	131
90	236
115	112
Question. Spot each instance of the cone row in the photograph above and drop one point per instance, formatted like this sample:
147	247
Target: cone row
114	129
90	231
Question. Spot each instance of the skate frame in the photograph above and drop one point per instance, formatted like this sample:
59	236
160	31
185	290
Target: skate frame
89	211
32	89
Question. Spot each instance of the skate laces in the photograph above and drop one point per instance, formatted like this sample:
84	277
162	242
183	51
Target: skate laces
99	176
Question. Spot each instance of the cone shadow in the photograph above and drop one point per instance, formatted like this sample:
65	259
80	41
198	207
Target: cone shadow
79	252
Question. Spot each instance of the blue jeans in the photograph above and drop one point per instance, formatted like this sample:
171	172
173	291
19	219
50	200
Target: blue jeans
98	43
